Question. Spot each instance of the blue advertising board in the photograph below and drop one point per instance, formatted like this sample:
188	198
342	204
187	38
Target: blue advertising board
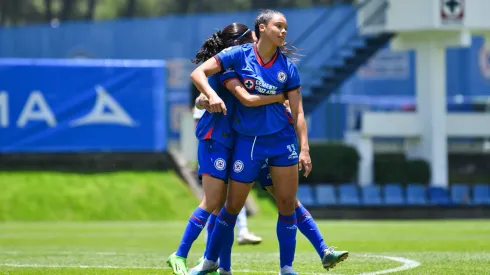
76	105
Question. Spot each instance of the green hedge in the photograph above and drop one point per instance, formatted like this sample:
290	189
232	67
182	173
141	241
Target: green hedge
391	168
333	163
338	163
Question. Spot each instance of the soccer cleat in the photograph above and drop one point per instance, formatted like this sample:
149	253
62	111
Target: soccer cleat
202	259
288	270
332	257
178	264
203	268
221	271
248	238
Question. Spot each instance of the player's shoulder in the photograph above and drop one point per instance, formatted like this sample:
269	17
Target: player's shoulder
290	63
286	61
246	47
237	48
291	67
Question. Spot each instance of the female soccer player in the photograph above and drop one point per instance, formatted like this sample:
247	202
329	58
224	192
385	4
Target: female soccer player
263	133
215	145
306	223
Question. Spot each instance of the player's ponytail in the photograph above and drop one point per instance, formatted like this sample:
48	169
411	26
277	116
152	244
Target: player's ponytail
213	45
232	34
290	51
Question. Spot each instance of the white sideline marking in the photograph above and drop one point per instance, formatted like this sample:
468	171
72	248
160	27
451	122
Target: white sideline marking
407	263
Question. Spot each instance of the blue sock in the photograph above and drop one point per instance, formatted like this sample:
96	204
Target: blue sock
225	223
210	227
196	223
307	226
286	234
225	252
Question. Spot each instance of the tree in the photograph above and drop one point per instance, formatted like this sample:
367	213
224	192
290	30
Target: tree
91	5
130	8
3	12
261	4
48	10
67	10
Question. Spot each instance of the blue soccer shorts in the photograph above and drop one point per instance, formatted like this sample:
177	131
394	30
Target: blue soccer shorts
265	178
213	159
250	153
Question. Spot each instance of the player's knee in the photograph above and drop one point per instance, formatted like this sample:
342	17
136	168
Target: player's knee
214	204
210	204
286	205
233	207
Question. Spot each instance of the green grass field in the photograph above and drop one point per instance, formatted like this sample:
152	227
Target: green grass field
398	247
128	223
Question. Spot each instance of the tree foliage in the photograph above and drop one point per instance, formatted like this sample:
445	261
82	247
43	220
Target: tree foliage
20	12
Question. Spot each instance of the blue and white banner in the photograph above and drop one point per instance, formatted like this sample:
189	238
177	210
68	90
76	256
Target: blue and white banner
82	105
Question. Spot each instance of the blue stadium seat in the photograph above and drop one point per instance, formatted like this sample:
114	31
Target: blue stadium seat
481	194
438	195
416	194
305	194
325	194
371	194
348	194
393	194
460	193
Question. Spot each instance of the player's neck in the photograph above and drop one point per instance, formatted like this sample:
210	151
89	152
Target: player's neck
266	50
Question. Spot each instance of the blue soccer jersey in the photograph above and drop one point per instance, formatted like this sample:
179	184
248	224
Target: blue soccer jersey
279	75
217	126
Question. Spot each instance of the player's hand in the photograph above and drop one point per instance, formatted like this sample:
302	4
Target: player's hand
204	102
286	104
305	162
217	105
283	99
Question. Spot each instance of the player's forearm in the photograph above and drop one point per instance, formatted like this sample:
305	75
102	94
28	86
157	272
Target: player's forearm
250	100
296	105
200	80
302	131
269	99
200	76
260	100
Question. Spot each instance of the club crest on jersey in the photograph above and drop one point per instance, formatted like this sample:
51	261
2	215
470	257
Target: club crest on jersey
281	76
220	164
238	166
249	84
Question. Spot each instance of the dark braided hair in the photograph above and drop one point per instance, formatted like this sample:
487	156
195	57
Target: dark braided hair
263	18
221	40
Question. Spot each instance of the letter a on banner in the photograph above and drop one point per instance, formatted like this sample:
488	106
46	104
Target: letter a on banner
43	112
117	114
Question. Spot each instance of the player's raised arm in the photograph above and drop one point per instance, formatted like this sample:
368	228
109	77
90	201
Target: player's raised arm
200	78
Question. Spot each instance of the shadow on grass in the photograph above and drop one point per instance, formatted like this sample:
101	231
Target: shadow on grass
87	163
